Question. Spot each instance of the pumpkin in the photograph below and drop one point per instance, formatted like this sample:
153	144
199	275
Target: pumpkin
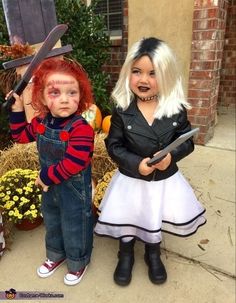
93	116
106	123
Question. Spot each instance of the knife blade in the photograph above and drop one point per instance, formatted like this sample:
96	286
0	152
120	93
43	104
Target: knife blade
54	35
157	158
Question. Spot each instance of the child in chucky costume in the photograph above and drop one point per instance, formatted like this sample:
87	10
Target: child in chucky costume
61	91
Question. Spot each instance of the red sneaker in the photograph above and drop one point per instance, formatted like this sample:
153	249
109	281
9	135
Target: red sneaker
48	268
73	278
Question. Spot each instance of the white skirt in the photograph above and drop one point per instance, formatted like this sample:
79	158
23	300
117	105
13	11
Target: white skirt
137	208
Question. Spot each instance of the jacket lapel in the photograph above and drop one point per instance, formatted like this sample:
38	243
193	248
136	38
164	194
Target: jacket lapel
135	122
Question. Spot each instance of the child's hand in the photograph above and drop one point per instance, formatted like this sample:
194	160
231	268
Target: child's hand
39	182
18	106
144	169
164	163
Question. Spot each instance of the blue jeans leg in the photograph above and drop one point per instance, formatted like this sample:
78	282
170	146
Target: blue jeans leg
77	221
52	219
67	211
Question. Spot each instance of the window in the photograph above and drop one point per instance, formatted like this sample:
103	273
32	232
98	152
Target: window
112	10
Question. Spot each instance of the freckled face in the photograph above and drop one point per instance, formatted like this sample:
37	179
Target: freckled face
61	94
143	81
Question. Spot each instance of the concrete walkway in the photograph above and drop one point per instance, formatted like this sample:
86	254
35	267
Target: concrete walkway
200	268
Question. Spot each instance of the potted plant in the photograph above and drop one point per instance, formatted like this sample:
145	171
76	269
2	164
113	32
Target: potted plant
20	198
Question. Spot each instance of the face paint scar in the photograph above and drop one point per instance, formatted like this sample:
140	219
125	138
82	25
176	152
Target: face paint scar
50	106
76	101
51	97
60	82
52	92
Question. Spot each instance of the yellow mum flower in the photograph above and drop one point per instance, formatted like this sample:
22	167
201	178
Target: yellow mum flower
18	192
9	204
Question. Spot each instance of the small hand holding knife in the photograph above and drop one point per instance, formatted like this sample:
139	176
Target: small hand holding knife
161	155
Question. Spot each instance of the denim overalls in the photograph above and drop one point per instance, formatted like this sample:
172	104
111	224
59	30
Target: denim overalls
66	207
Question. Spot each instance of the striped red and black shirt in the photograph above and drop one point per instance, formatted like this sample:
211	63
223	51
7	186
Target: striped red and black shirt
79	149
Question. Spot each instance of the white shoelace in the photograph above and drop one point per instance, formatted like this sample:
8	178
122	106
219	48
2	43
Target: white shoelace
49	263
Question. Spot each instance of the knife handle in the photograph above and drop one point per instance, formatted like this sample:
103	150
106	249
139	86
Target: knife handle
155	161
21	85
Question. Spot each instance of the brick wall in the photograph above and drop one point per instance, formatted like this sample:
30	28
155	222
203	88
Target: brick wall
209	23
212	78
118	51
227	92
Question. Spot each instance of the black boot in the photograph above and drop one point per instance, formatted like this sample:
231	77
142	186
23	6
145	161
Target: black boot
156	269
123	271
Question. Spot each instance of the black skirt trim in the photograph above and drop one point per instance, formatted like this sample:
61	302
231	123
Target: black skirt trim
162	230
153	231
186	223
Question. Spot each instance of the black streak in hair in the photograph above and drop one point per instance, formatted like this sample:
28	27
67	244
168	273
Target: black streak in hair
147	47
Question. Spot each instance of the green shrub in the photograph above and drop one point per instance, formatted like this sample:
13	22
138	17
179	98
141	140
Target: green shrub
4	38
90	42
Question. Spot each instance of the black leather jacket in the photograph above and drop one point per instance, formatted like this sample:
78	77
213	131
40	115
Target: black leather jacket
131	139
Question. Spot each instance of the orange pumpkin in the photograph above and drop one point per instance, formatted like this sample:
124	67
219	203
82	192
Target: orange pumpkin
93	116
106	123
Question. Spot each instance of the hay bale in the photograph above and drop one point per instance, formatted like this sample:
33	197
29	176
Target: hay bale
101	162
23	156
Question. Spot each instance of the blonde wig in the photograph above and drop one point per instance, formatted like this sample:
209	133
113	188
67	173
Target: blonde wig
171	96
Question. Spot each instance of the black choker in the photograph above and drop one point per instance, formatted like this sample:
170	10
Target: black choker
148	98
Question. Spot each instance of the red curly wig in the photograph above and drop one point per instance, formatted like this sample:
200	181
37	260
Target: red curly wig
65	66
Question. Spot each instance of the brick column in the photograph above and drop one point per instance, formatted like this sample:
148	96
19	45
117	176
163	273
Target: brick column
118	51
227	93
209	22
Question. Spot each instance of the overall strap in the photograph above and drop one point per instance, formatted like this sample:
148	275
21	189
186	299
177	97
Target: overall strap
68	126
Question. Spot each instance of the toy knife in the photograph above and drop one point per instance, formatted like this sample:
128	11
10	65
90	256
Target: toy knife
157	158
54	35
